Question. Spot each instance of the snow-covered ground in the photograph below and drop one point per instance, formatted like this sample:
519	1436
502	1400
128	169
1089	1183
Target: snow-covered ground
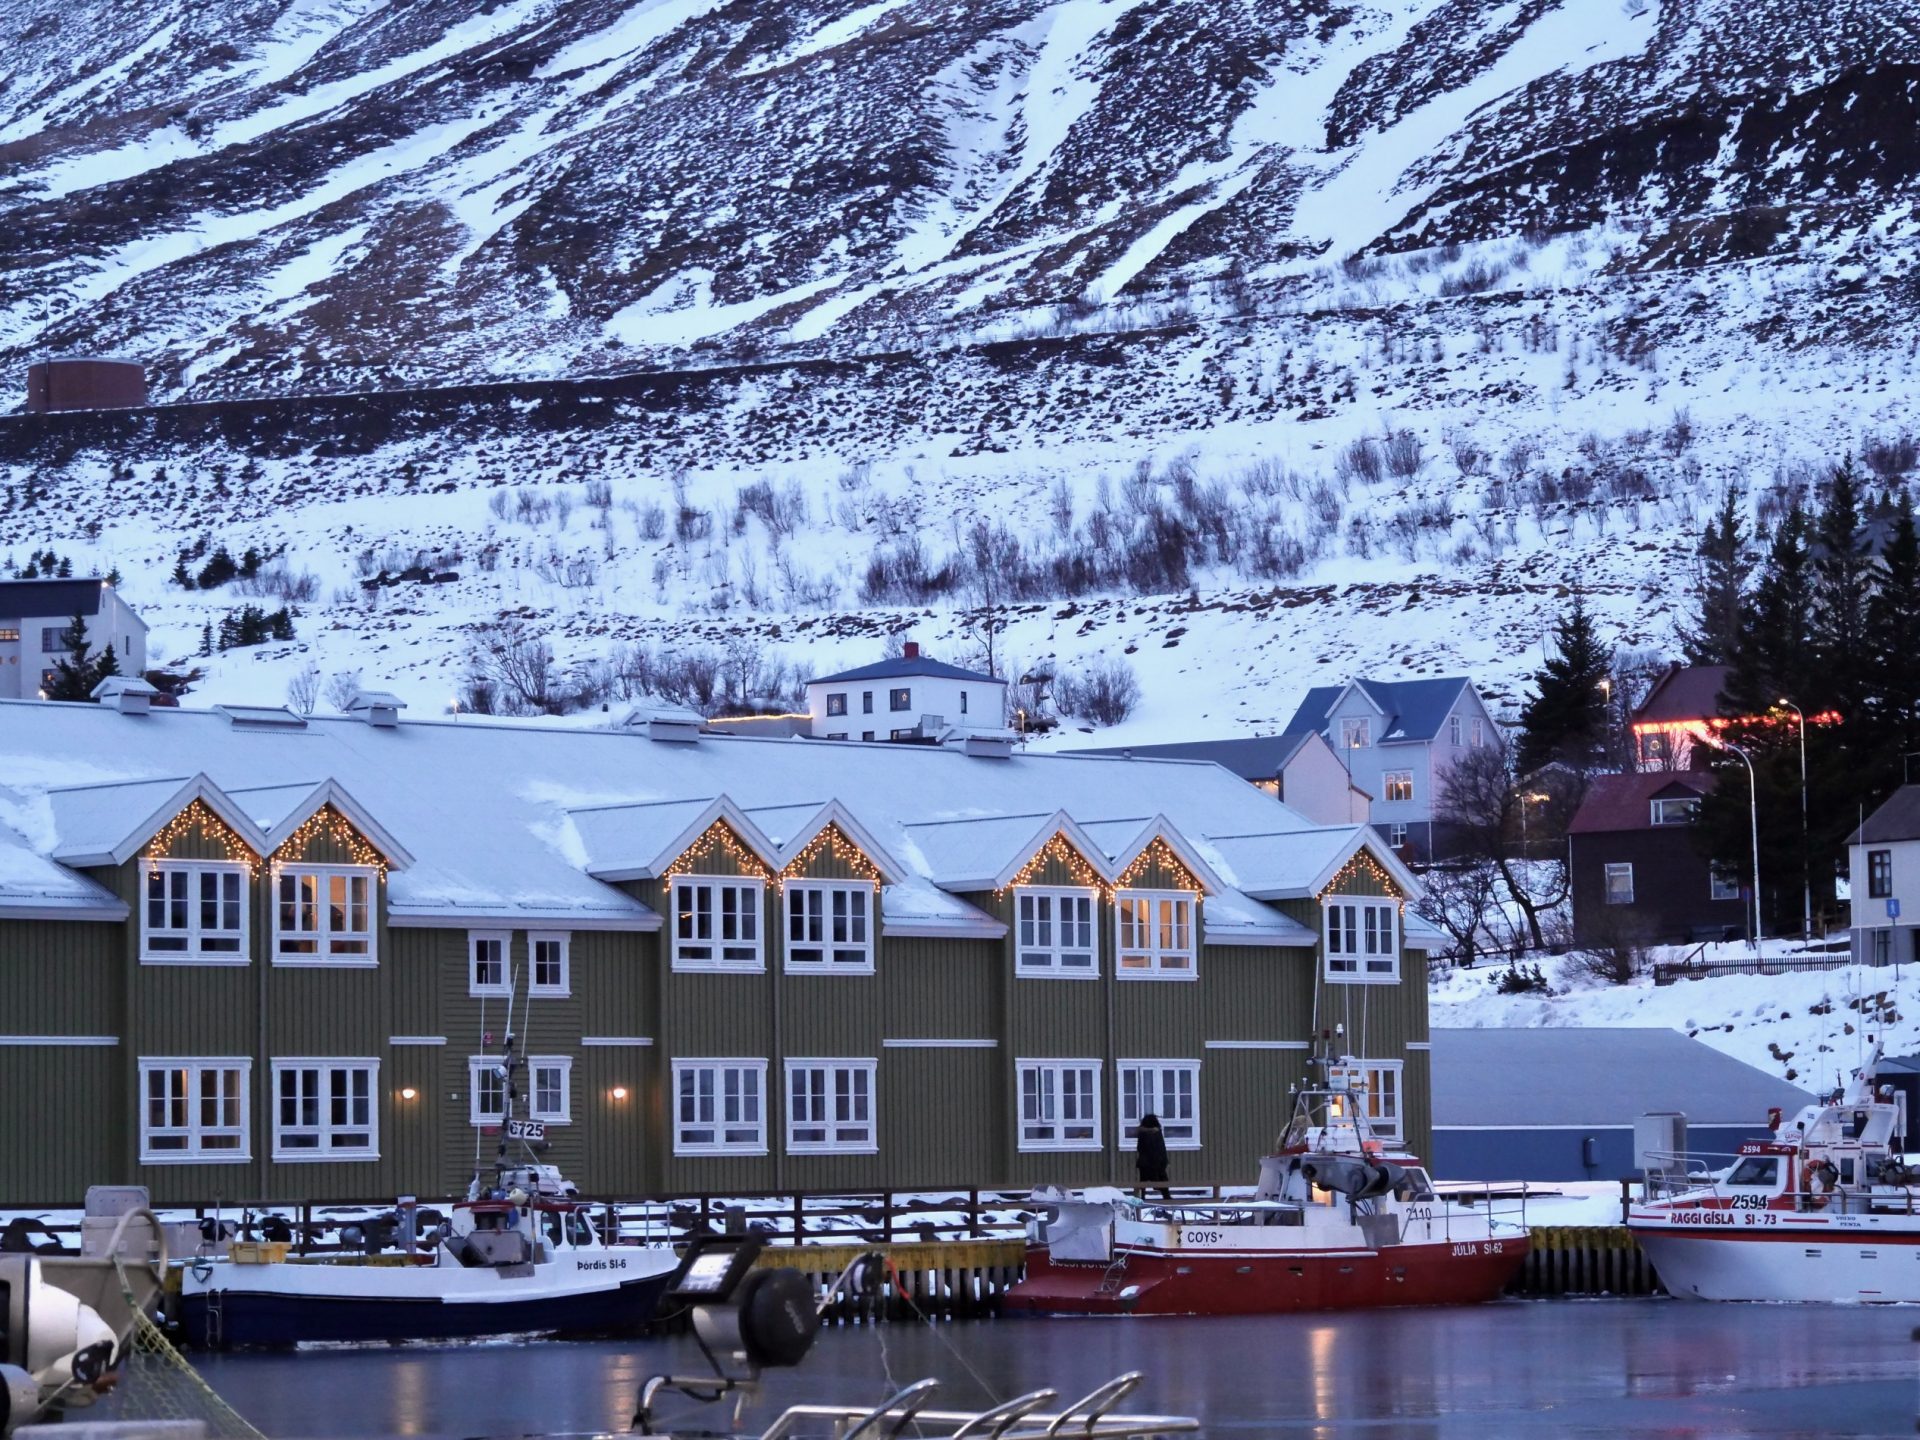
1810	1027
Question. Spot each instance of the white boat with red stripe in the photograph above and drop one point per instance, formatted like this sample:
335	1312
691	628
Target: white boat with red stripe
1826	1210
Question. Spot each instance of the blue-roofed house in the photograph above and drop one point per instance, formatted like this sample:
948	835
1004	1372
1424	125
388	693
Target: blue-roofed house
912	698
1398	739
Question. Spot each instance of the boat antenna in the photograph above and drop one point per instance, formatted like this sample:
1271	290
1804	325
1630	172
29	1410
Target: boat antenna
485	1038
511	1090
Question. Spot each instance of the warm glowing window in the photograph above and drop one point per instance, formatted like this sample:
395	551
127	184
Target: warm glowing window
1155	933
194	912
1361	939
324	916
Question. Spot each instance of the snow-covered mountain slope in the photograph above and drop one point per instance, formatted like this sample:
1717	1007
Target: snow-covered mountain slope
1282	338
1811	1028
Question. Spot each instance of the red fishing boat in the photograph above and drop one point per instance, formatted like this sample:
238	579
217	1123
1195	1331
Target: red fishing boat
1336	1223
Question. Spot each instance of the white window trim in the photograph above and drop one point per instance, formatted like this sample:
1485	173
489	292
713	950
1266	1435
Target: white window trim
1054	969
758	886
1360	974
562	1063
244	956
1389	779
475	1064
826	965
196	1063
1717	881
1020	1070
1456	732
324	959
746	1062
834	1147
505	987
1158	969
550	992
1394	1129
1358	726
1606	882
1658	808
369	1151
1120	1095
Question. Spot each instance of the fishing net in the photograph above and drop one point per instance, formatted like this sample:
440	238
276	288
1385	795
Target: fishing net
157	1383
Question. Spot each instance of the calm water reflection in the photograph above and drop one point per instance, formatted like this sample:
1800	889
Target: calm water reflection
1515	1369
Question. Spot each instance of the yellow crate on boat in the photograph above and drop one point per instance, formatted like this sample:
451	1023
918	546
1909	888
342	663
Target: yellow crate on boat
258	1252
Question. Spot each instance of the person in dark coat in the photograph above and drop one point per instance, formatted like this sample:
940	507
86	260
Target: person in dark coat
1150	1158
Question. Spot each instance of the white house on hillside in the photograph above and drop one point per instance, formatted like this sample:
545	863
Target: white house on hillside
34	614
1883	856
912	698
1398	739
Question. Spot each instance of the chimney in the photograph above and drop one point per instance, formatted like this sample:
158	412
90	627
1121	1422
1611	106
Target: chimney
910	650
377	707
672	724
128	694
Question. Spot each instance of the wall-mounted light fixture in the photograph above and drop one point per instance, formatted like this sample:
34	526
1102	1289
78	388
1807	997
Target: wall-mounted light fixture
407	1092
619	1092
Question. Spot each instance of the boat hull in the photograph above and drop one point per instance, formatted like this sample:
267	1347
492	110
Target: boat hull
1785	1263
240	1309
1268	1282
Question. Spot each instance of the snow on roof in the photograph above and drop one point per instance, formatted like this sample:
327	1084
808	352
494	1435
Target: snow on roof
1898	818
508	820
20	599
33	886
903	668
1273	865
1258	757
1414	709
1575	1075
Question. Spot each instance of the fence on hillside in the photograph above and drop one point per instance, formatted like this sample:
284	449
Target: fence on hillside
1701	969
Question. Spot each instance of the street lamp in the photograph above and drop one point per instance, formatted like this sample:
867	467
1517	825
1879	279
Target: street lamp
1806	870
1753	812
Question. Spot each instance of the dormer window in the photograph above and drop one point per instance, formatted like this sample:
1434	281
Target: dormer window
194	912
324	915
1155	934
716	923
1362	939
1356	733
1676	812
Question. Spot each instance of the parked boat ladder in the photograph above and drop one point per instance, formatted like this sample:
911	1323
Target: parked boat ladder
1116	1272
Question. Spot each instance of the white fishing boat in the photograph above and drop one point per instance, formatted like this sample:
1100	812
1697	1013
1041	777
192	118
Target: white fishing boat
1823	1210
522	1254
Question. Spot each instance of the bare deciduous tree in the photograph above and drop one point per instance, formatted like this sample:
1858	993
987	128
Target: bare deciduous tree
1481	810
303	690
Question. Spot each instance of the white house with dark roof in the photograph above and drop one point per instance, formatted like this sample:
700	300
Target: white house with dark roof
1300	770
914	697
34	614
1398	739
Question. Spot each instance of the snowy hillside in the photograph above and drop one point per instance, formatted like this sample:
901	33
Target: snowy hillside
1811	1028
1273	338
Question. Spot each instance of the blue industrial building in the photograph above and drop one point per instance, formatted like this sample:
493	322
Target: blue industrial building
1560	1103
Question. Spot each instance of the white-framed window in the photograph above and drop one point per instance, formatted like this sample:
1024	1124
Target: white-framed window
716	923
551	1094
1381	1103
487	962
486	1090
1059	1104
1676	812
1053	933
325	1110
830	926
550	964
1399	784
1155	934
1356	733
194	912
830	1107
194	1110
1479	732
719	1107
1722	886
1620	883
837	703
1396	835
1166	1089
324	915
1453	730
1362	940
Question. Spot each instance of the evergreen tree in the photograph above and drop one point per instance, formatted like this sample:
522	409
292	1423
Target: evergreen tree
72	675
1843	583
107	664
1565	719
182	576
1892	712
1720	578
1776	649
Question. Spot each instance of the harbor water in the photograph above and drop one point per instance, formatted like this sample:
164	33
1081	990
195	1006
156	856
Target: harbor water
1512	1369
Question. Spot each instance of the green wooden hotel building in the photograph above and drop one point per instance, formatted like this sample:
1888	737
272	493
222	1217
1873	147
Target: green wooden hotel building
253	956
